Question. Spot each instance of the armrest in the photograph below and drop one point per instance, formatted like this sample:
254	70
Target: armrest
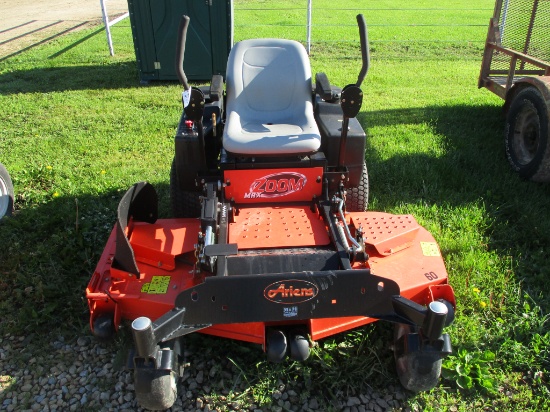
216	88
322	87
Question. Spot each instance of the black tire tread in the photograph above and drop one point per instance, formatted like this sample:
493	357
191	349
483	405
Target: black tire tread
163	391
357	198
538	169
184	203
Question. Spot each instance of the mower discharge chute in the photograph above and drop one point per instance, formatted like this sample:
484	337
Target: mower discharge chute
271	242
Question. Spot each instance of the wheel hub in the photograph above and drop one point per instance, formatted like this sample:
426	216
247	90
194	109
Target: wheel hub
527	134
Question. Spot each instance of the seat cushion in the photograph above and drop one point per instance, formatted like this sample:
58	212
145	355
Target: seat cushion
269	107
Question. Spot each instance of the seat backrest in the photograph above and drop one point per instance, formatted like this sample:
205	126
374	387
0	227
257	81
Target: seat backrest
269	83
268	75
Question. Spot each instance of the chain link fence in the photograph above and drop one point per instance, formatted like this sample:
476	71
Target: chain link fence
405	30
524	26
398	29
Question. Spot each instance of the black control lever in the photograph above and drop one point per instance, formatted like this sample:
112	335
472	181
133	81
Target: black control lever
351	98
365	53
192	97
180	51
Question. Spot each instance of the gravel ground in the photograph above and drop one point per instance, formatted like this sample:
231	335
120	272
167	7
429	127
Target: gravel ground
86	375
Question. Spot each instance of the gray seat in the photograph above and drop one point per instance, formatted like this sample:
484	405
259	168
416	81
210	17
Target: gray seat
269	103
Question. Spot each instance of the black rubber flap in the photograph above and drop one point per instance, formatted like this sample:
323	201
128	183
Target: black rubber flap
140	202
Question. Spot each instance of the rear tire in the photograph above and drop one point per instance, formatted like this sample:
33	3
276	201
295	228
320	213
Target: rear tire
6	193
185	203
526	137
357	198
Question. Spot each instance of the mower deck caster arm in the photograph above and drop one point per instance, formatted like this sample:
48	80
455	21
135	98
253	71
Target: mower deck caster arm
420	346
158	364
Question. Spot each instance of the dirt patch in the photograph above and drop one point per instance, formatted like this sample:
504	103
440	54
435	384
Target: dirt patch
29	23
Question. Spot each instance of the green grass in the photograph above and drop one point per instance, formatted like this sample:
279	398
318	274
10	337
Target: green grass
77	130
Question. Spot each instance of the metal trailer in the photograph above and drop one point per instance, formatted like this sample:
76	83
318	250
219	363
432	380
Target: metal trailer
516	67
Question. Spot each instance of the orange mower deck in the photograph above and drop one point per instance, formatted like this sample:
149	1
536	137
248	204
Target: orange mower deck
399	249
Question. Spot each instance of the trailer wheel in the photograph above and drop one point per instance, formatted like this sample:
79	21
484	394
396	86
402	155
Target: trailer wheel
357	198
6	193
184	203
160	388
526	136
417	371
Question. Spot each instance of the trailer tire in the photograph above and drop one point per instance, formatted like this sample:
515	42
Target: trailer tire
526	136
185	203
417	371
357	198
6	193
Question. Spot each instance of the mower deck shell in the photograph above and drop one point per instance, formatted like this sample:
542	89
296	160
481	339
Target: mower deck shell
400	250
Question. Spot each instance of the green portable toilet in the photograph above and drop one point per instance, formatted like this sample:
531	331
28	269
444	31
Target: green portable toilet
155	31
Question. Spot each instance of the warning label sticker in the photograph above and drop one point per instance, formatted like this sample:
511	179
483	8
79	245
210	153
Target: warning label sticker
430	249
157	286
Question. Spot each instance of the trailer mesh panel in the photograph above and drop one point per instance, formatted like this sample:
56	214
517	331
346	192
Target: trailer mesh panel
524	26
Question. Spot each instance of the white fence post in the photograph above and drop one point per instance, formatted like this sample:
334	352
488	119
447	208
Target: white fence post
308	34
108	23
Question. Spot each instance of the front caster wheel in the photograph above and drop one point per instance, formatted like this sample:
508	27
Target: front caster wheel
418	371
155	389
104	327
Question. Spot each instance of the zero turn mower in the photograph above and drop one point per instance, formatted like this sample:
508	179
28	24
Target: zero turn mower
270	242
